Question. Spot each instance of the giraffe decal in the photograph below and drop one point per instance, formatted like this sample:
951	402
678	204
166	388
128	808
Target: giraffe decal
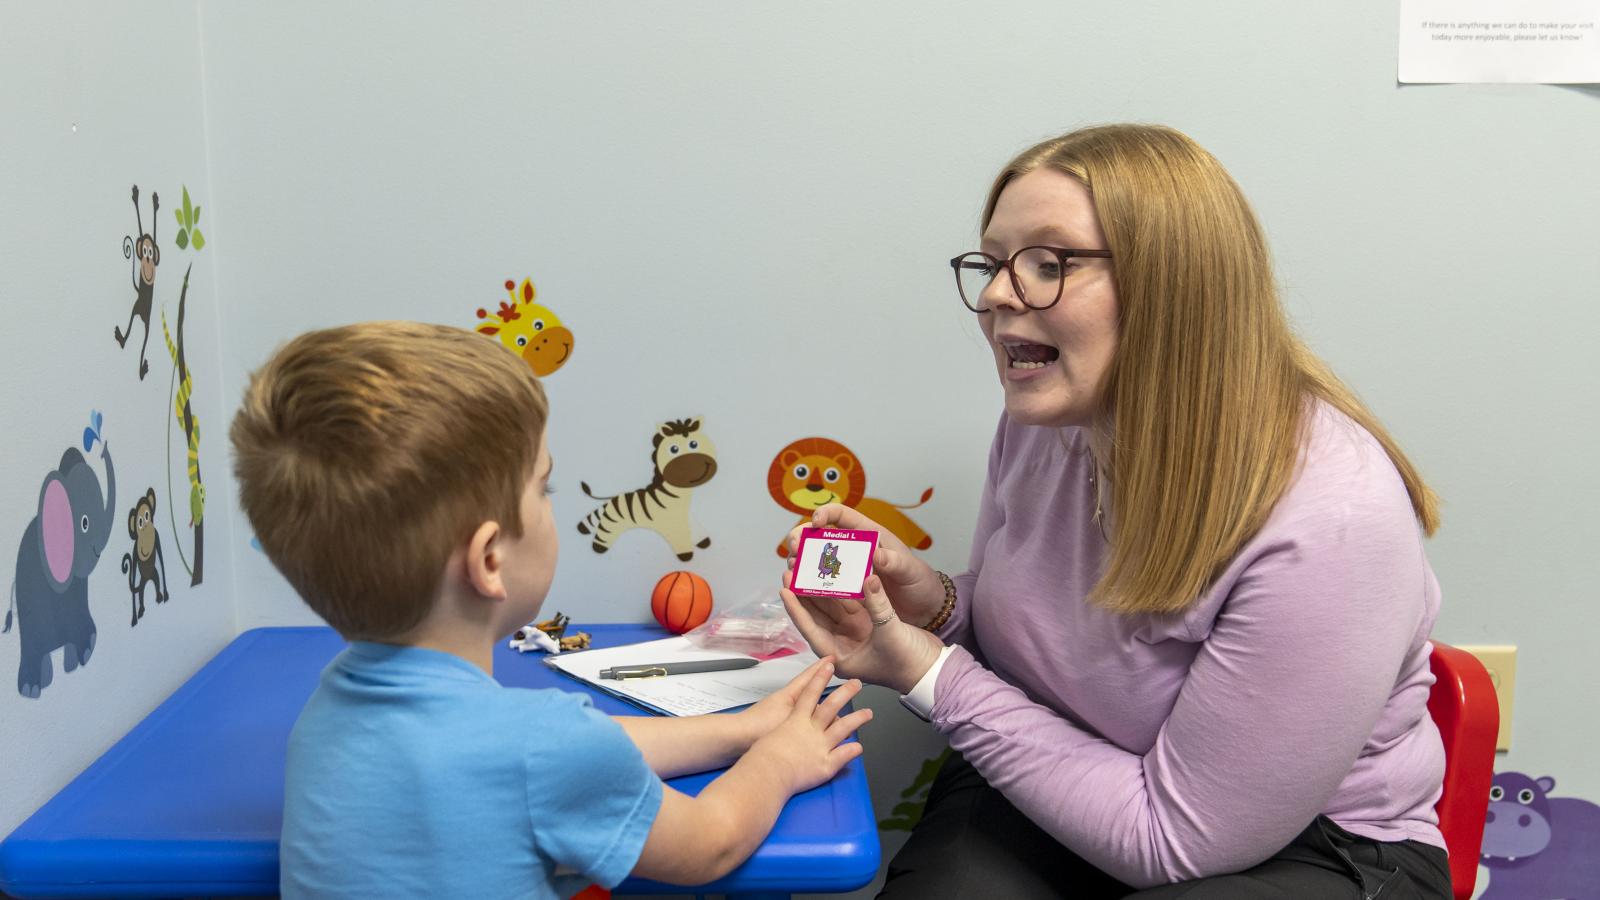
528	329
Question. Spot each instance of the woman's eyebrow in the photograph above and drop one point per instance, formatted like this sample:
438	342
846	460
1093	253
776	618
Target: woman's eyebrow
1055	236
1044	235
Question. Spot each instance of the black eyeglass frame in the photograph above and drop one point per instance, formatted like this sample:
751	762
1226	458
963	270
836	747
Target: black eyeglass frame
1062	255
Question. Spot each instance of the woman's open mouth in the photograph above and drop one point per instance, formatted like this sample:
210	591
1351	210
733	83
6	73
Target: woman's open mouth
1030	356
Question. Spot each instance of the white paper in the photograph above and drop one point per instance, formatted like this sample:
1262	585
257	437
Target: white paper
1500	41
684	695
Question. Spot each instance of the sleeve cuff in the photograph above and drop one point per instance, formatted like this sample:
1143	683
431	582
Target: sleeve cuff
920	698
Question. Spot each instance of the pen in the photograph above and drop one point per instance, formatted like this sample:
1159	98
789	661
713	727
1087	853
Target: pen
656	670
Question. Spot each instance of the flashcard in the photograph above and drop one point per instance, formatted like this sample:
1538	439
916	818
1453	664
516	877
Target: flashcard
833	562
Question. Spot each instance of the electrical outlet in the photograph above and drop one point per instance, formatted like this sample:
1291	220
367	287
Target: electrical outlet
1501	661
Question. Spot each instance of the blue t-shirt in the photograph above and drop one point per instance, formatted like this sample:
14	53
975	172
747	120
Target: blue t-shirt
411	772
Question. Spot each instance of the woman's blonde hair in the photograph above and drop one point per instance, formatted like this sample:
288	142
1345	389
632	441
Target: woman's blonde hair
367	453
1208	388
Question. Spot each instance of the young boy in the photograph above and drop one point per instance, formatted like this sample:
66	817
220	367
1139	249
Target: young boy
397	475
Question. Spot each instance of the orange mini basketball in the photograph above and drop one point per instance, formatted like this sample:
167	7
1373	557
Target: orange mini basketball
681	601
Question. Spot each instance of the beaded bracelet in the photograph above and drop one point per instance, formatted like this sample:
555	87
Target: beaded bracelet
949	603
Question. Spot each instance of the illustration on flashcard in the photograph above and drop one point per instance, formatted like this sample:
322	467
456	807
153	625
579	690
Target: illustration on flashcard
141	247
828	564
61	545
529	330
144	564
1537	846
183	412
683	459
815	471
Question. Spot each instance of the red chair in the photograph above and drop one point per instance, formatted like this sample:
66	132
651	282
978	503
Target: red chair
1464	706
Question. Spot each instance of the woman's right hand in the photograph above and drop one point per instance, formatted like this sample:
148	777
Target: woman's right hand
866	639
913	588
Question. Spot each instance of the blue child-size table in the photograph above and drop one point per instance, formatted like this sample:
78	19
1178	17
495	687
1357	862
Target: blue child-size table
190	802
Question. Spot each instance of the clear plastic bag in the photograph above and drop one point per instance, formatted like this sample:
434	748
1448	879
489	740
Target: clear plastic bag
759	627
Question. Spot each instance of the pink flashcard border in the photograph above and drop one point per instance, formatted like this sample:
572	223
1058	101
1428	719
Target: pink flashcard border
833	534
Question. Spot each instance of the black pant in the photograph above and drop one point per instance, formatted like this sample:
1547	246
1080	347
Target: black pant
972	842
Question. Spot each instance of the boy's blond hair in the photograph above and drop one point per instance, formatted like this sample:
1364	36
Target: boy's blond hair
366	454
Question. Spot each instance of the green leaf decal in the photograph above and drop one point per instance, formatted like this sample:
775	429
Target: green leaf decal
199	239
183	239
188	216
196	220
178	214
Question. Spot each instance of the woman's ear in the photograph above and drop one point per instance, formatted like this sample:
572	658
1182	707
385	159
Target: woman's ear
485	561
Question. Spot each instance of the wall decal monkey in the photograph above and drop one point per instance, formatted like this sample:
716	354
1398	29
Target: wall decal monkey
146	255
144	564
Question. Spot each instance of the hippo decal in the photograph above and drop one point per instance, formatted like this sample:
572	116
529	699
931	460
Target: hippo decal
1539	847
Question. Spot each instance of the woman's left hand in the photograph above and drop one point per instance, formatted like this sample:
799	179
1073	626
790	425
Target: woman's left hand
866	639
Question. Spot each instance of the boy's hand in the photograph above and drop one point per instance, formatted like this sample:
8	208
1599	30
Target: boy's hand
807	748
773	709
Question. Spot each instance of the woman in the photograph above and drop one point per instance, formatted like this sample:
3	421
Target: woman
1190	653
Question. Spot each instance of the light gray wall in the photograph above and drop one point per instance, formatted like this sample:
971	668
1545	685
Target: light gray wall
97	98
729	202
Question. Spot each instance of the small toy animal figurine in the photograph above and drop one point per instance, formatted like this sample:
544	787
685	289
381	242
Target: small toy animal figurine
529	330
1537	846
555	626
684	459
548	636
828	564
816	471
144	564
60	548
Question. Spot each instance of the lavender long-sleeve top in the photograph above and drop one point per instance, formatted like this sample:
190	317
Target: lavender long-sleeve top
1169	747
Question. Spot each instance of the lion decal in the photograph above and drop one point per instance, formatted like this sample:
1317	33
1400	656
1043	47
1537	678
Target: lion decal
816	471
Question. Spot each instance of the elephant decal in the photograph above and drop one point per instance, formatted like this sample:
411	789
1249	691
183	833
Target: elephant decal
60	547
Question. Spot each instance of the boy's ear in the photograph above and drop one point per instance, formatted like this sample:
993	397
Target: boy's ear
485	561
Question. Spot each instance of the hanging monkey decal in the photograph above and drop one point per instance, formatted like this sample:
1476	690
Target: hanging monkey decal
144	564
146	256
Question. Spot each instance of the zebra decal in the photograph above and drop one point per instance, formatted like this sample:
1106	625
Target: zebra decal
684	459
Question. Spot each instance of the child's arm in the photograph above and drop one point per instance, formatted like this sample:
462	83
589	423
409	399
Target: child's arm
674	747
699	839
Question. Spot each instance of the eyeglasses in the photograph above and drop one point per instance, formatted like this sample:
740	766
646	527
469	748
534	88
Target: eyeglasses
1037	274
